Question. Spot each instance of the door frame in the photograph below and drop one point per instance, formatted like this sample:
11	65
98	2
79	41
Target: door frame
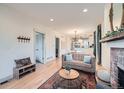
58	49
44	57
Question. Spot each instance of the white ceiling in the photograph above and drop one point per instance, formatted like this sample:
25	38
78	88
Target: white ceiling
67	17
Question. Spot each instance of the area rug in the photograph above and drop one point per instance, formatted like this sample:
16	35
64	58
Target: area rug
87	80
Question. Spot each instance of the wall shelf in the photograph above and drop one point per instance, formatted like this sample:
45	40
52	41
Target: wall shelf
113	38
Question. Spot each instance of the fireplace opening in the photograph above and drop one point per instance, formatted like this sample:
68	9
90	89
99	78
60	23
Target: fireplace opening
117	68
120	78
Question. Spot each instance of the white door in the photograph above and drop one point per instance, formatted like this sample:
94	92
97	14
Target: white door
39	47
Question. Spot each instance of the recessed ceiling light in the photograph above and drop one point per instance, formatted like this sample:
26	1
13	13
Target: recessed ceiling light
51	20
85	10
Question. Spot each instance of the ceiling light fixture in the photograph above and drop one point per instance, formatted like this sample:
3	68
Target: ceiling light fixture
51	20
75	39
85	10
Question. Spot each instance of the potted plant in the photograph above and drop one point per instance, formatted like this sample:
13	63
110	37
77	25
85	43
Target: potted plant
68	68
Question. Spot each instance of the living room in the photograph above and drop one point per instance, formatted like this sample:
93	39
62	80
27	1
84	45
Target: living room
78	43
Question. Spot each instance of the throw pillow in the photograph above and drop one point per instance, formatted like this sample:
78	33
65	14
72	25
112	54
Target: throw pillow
87	59
69	57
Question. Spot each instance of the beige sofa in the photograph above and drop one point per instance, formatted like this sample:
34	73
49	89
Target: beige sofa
78	63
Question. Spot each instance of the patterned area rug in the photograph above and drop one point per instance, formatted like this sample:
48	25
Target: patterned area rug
87	81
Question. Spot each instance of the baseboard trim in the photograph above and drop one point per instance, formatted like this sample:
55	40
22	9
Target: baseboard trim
8	78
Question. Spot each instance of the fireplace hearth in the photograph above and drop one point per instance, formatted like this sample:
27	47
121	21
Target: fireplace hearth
117	68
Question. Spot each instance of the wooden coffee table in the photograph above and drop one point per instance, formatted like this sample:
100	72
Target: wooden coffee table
73	74
69	80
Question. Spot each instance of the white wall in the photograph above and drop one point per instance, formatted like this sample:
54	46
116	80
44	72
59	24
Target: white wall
12	25
65	43
117	9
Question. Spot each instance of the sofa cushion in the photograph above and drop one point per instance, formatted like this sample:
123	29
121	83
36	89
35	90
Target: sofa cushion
87	59
22	62
77	56
80	63
68	57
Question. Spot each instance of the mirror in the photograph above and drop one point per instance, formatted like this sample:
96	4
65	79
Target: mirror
122	21
117	15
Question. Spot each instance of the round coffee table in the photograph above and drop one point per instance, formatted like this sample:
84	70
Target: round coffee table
72	74
69	80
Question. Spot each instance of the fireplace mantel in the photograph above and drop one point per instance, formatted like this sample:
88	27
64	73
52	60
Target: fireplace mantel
113	38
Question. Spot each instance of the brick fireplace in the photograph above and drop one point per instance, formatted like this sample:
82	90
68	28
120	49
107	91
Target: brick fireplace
117	67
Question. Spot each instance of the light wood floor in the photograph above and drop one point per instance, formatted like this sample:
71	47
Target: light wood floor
35	79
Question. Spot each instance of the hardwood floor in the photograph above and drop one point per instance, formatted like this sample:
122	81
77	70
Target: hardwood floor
35	79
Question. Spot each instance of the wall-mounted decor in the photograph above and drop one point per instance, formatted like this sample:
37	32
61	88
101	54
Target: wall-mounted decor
118	31
23	39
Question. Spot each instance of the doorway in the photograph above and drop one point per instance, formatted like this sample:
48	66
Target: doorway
39	47
57	42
